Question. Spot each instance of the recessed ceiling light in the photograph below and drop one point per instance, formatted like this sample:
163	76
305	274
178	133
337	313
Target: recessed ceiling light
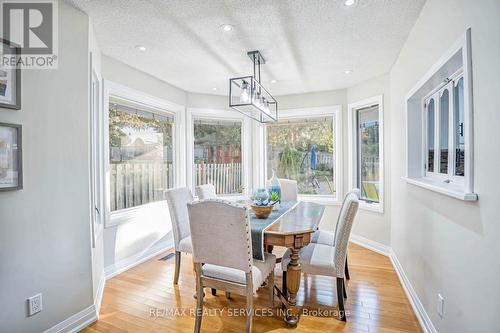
227	27
348	71
141	48
214	89
273	81
349	2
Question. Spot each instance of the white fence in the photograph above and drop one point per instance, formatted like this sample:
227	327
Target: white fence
226	177
137	183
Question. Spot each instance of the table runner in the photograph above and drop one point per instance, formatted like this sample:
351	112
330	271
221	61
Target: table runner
258	226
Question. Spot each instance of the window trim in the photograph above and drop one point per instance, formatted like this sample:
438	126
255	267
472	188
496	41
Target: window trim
121	92
334	111
415	173
352	143
246	131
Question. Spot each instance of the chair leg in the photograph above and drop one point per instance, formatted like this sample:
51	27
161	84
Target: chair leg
340	299
199	304
270	285
249	312
347	276
344	290
177	266
284	289
214	292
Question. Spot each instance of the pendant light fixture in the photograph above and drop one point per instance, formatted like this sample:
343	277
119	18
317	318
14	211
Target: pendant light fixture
249	97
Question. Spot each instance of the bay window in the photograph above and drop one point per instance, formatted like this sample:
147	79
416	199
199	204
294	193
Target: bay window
303	146
140	155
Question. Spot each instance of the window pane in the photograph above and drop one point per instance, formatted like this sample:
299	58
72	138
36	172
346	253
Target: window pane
140	152
444	114
368	154
459	127
303	150
430	136
217	155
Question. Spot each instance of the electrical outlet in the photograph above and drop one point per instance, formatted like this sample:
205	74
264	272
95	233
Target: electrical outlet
440	305
34	304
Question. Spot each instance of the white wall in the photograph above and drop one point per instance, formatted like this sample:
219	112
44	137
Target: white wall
119	72
446	245
45	228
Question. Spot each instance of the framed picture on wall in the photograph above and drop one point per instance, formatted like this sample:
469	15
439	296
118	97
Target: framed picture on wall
11	174
10	78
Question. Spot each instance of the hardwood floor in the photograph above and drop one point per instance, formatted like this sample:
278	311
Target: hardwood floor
144	299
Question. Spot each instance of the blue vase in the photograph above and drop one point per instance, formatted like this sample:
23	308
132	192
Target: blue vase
273	186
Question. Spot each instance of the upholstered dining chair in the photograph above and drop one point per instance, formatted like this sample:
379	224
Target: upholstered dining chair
288	189
328	238
321	259
177	200
206	191
222	254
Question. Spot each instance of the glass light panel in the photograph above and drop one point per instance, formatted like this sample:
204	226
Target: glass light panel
458	120
430	135
217	155
303	150
444	114
368	179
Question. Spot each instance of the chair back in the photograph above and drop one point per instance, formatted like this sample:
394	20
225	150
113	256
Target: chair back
220	234
288	189
343	232
177	200
357	192
206	191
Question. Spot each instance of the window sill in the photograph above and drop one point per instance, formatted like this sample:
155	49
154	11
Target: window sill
126	215
320	199
450	189
376	207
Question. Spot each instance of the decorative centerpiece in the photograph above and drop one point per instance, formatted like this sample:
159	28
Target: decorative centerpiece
263	204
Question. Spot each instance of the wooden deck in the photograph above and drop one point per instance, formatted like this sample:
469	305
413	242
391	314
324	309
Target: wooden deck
144	299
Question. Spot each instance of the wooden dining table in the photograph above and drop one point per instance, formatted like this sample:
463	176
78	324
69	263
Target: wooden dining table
294	231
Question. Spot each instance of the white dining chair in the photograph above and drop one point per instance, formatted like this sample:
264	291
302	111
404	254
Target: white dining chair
321	259
177	200
328	238
222	254
206	191
288	189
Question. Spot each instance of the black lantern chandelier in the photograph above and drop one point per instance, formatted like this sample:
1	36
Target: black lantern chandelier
249	97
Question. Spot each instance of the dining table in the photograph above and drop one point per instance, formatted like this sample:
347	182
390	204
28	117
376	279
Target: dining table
293	229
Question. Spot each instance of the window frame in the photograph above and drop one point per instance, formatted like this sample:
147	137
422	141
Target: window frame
193	114
334	111
353	154
436	94
177	112
459	55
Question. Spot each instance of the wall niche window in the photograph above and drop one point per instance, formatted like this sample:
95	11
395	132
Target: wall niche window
439	126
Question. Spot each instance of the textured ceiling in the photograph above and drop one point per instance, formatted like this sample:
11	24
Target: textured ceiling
308	44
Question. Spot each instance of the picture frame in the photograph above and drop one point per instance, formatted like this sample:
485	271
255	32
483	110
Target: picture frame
10	78
11	164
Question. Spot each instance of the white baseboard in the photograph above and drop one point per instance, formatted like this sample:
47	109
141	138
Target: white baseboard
76	322
423	319
418	308
127	263
99	294
371	245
